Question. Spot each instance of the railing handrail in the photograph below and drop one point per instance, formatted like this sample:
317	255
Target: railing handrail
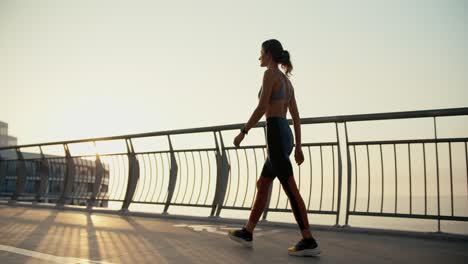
310	120
222	192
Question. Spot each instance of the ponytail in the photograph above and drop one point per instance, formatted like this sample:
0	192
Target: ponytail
274	47
286	62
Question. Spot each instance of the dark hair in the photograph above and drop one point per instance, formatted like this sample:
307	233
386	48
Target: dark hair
275	49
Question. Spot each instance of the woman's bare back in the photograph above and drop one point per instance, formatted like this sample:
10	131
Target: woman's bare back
282	94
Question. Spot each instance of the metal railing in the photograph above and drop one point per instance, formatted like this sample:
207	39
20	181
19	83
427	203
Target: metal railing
224	177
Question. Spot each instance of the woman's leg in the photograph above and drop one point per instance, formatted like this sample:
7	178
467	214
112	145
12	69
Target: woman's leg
297	205
263	185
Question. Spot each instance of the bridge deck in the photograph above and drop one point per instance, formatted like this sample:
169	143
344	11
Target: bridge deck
38	235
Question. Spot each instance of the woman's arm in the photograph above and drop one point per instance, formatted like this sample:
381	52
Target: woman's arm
259	111
267	87
298	155
296	119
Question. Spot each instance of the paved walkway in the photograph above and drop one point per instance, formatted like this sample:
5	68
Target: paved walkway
35	235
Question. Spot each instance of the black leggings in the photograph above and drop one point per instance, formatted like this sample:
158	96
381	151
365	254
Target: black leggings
279	147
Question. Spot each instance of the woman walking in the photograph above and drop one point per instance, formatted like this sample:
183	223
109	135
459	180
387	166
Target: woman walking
275	98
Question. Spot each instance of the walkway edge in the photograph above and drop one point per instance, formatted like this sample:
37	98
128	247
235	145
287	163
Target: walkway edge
348	229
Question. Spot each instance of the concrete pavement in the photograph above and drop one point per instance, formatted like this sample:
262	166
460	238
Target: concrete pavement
39	235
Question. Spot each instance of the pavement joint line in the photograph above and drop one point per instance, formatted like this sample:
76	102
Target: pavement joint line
48	257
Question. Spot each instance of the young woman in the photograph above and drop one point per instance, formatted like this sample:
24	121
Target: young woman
275	98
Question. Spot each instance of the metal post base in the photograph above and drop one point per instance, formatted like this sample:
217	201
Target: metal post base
124	211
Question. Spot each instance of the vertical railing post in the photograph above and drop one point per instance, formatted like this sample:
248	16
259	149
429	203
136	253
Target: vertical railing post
340	176
225	167
222	174
20	177
172	176
133	175
270	190
98	173
69	180
348	172
437	173
43	177
219	180
3	171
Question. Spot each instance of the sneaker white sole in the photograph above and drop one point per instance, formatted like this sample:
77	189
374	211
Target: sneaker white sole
306	252
248	244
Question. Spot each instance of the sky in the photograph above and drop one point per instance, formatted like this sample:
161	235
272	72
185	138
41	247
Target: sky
79	69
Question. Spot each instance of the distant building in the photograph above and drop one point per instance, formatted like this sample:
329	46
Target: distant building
5	139
82	186
83	182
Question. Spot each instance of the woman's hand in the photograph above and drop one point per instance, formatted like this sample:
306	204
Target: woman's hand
238	139
298	155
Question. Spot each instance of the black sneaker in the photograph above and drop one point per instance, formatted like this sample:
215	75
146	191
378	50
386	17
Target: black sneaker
242	236
305	247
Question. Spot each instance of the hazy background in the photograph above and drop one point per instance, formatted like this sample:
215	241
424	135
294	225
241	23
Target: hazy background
78	69
75	69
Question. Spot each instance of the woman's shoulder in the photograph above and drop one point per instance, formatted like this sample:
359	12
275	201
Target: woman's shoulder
268	73
273	74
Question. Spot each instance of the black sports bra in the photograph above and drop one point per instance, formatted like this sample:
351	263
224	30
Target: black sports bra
278	95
